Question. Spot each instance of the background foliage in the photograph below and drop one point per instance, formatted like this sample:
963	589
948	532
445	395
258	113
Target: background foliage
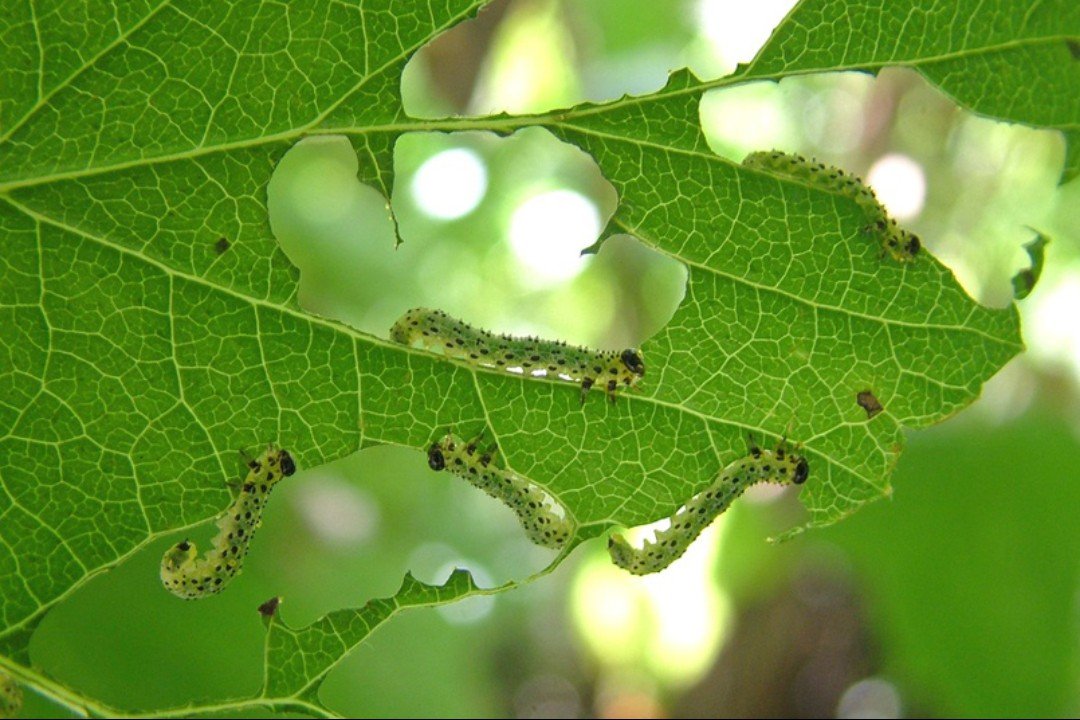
114	213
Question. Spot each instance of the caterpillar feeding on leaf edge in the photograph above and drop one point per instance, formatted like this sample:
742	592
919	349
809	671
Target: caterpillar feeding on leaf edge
783	466
188	576
607	370
901	244
543	526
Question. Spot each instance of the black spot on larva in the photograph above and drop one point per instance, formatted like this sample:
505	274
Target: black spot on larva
183	546
222	245
868	402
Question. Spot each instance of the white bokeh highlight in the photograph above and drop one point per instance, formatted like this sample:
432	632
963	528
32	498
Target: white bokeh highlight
549	230
1050	325
900	184
338	513
737	30
870	698
450	184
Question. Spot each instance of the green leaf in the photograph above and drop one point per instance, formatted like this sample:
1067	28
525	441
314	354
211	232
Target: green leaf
1008	59
298	660
151	327
1025	280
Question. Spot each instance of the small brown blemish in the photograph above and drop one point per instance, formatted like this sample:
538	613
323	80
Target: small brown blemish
868	402
269	608
222	245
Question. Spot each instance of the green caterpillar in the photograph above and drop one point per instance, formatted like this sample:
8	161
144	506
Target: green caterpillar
543	526
10	696
186	575
532	356
896	241
776	466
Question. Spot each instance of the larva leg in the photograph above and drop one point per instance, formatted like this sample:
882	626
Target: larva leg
185	574
531	504
585	385
782	465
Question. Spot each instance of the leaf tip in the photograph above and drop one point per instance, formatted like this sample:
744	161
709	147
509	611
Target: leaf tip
1024	281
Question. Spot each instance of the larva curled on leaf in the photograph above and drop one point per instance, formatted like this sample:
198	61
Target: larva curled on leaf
608	370
902	245
188	576
782	466
542	524
11	697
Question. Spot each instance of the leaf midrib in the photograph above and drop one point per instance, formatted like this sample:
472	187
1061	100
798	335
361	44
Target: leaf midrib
387	344
505	123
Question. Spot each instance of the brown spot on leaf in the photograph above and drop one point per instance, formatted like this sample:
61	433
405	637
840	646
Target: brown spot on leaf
869	403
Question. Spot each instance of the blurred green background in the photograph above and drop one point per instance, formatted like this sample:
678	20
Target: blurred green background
957	597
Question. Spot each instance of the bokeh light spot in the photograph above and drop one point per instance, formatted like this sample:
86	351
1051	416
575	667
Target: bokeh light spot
671	623
900	184
548	231
337	512
737	30
450	184
870	698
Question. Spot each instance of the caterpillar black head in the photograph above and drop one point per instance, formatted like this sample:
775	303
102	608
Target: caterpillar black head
435	458
633	361
802	471
288	465
913	244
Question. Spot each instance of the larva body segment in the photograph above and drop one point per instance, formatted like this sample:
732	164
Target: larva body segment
779	466
531	504
188	576
902	245
11	697
608	371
